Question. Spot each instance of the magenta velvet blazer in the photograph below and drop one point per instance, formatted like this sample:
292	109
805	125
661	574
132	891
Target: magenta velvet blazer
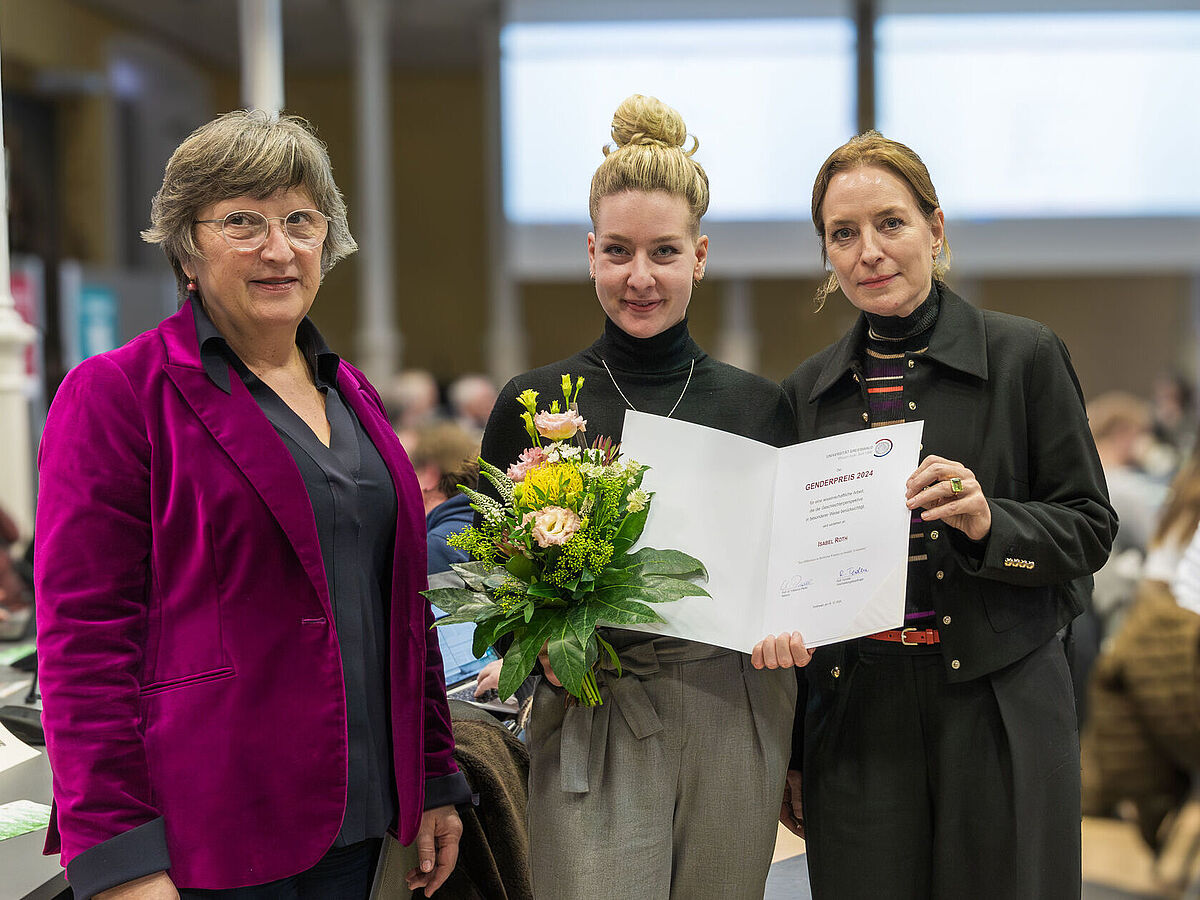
188	659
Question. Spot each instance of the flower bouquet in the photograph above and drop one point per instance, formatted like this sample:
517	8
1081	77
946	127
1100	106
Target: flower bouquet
551	560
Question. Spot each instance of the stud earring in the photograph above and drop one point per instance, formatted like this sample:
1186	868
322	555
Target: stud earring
192	287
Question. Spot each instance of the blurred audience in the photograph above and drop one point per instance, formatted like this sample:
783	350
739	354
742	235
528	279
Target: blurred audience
1174	424
1141	745
1120	424
411	401
471	400
444	456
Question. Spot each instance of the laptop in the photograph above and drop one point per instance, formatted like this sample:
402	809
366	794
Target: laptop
460	666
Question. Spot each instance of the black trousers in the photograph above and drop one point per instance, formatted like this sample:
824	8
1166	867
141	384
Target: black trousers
344	873
917	788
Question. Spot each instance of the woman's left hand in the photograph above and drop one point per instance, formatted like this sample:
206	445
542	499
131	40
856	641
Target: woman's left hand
933	488
437	849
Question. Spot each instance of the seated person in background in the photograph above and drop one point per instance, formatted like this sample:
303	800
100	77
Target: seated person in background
1120	424
13	594
412	401
471	400
1142	743
444	456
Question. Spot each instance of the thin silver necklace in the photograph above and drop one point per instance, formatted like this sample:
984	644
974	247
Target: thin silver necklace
634	408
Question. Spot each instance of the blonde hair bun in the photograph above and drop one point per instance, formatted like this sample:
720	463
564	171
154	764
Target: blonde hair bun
643	120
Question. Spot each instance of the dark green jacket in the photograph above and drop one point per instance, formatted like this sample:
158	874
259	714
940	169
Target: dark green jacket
998	394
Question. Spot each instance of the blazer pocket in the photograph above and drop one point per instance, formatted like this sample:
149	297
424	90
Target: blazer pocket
170	684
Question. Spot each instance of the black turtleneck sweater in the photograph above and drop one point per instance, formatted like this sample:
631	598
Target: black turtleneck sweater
652	373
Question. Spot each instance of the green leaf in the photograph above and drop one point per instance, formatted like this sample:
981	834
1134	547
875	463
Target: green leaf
520	566
488	632
630	530
544	591
461	605
612	654
667	562
582	618
620	610
664	589
473	573
527	644
568	656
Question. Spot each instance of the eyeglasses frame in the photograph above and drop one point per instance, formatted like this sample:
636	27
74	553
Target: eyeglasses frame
282	220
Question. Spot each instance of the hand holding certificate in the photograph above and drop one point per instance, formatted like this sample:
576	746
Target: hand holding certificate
810	538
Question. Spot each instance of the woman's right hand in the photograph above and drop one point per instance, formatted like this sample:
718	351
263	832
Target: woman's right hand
780	652
544	659
149	887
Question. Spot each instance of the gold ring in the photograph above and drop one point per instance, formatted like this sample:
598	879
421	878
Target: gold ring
956	485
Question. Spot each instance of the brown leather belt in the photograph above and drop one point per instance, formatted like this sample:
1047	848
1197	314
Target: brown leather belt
909	637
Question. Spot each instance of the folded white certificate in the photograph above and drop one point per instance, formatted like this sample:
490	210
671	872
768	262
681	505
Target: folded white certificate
810	538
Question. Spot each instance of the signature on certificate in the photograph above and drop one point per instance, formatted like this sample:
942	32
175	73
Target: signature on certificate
794	584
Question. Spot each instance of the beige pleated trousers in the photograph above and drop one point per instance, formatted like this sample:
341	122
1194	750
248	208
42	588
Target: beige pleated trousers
671	788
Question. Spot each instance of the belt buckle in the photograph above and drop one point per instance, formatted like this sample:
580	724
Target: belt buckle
904	637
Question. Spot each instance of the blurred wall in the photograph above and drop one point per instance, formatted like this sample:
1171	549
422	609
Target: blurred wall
1121	330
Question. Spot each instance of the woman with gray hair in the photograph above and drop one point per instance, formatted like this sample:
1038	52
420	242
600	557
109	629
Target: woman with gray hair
242	691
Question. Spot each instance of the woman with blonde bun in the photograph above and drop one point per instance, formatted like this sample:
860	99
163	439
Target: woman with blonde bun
671	788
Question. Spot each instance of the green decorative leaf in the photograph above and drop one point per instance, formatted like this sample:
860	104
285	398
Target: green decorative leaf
544	591
520	566
488	632
473	573
665	588
461	605
620	610
568	656
667	562
612	654
582	618
630	530
527	644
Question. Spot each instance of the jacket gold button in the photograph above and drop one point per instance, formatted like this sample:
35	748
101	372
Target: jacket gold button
865	417
856	378
955	664
911	363
912	404
945	620
940	575
933	535
836	672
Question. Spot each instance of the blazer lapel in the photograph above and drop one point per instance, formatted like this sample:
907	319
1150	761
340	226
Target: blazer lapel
243	431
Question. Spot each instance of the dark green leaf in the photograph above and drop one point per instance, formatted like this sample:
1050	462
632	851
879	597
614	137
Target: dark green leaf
582	618
543	590
612	654
487	633
520	566
630	530
664	589
667	562
473	573
620	610
568	656
527	644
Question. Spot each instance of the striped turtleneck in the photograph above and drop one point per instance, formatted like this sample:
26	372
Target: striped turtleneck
891	342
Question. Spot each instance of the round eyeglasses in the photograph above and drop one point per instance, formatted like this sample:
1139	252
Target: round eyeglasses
246	229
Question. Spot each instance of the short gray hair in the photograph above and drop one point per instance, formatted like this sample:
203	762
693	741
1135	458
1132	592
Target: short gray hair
244	153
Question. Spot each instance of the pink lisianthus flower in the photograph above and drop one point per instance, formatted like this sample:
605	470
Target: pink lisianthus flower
553	525
529	459
559	426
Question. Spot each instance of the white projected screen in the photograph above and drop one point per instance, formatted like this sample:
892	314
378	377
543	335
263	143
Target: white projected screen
1027	116
768	99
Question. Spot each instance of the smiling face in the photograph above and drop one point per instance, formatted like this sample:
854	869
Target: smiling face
250	295
879	243
645	255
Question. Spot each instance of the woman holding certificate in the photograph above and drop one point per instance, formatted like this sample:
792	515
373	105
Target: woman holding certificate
941	759
632	798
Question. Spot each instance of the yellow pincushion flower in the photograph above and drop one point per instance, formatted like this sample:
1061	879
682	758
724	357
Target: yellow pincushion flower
552	484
